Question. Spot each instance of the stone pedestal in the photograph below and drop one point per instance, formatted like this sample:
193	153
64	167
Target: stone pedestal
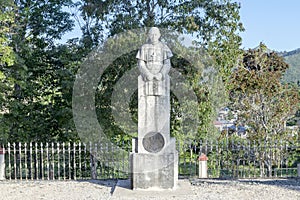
154	160
155	170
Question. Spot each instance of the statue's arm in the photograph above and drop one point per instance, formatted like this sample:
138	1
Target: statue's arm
166	68
144	71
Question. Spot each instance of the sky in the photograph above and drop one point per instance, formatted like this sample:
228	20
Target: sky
276	23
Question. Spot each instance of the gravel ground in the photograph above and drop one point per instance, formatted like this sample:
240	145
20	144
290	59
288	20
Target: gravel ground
56	190
209	189
285	189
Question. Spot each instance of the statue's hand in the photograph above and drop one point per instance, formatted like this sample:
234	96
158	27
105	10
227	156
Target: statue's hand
149	77
159	77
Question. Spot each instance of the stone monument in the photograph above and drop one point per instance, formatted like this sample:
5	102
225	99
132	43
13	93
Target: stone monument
154	160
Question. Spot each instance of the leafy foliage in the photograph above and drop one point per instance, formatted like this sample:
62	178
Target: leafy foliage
38	105
37	74
263	102
7	18
214	24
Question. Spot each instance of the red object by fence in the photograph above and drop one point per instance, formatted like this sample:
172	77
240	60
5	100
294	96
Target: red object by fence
202	157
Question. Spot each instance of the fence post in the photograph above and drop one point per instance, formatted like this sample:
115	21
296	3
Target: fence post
298	169
2	164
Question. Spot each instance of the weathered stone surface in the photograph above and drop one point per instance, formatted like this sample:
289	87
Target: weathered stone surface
155	171
153	113
123	191
154	161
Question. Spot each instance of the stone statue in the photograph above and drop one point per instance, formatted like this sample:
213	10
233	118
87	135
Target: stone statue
154	160
154	63
154	93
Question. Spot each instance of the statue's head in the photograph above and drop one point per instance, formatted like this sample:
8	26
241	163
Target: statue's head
153	35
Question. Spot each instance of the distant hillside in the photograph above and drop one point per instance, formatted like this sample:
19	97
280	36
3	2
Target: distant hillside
290	53
293	72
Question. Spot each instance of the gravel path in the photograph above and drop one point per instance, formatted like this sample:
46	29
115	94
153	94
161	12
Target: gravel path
284	189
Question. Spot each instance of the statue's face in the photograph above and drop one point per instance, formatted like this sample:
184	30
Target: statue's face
154	36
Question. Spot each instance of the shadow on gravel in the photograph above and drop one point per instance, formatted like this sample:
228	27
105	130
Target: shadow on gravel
103	182
287	183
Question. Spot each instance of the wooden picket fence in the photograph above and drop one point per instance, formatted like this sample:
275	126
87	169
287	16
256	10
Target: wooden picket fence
72	161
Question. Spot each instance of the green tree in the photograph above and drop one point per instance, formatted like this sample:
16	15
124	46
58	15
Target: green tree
263	102
214	24
7	20
39	78
38	106
7	56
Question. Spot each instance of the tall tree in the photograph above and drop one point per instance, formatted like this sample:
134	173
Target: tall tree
214	25
7	56
38	101
38	107
263	102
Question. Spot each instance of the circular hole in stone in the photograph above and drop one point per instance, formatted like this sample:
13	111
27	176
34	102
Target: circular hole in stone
153	142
